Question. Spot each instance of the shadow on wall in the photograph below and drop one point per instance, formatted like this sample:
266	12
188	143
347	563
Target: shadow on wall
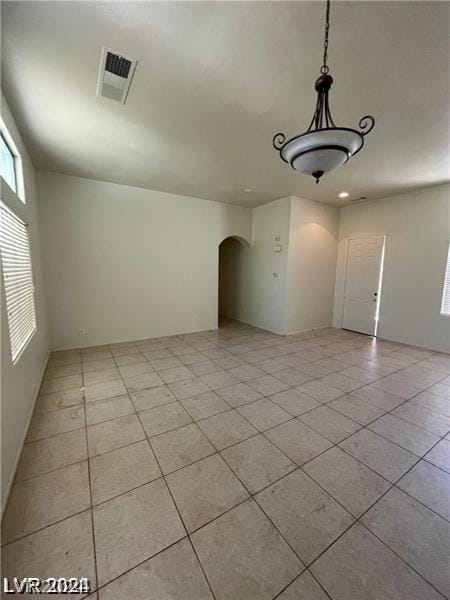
230	263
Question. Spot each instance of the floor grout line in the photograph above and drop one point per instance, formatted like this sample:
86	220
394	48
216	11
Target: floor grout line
219	452
181	518
90	493
259	432
361	426
174	503
358	520
297	467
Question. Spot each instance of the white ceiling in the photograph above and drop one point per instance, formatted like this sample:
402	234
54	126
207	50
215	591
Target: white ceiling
216	80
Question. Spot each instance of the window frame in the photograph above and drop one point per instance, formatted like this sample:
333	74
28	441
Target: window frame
14	161
18	163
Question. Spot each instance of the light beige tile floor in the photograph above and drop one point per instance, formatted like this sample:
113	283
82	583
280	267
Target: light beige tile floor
238	465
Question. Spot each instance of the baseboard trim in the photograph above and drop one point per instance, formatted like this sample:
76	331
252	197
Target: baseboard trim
311	329
124	341
258	327
414	345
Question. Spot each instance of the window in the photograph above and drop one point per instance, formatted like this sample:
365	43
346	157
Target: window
7	164
18	280
445	308
11	169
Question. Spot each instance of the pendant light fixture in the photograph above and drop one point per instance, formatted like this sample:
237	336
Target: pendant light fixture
323	147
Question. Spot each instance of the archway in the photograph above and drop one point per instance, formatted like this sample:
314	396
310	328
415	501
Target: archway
231	266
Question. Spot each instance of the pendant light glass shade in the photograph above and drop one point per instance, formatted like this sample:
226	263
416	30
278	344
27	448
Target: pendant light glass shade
320	160
321	150
323	147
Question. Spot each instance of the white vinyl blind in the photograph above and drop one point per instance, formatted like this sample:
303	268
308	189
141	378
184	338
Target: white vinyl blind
17	280
445	308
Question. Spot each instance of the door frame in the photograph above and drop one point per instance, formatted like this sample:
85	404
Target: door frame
344	275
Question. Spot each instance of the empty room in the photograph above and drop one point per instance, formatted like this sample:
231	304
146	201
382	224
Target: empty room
225	300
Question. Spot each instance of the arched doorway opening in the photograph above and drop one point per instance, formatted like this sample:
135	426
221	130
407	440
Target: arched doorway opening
231	291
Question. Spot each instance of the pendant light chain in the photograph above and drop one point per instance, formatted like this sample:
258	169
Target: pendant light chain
323	147
324	68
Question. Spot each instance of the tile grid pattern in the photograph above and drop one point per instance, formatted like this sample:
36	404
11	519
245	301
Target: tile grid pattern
358	519
217	348
173	500
90	493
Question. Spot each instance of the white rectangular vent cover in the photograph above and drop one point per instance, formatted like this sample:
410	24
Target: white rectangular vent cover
115	75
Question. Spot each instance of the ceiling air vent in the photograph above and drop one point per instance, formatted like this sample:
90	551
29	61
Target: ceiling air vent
116	73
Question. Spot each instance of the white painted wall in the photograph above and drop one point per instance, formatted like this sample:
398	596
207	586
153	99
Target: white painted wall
20	382
126	263
259	298
417	230
311	268
302	295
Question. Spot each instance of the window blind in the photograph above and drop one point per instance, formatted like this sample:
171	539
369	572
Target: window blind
17	280
445	308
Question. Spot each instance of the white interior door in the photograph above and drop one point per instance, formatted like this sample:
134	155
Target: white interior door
363	284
